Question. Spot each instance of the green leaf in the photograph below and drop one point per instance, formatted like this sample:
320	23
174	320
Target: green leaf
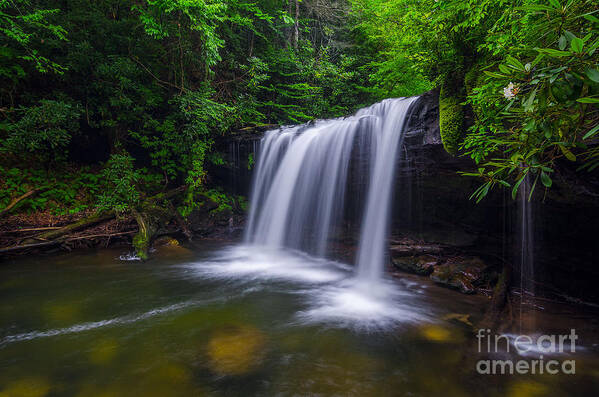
555	3
569	155
588	100
591	18
513	62
593	74
493	74
576	44
555	53
504	69
592	132
516	186
562	42
530	100
547	182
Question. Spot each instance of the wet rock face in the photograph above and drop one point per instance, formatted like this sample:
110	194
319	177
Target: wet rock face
423	123
461	273
407	247
442	264
422	265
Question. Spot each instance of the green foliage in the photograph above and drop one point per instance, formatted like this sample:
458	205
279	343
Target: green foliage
537	105
541	53
22	29
42	132
149	90
152	86
120	179
60	192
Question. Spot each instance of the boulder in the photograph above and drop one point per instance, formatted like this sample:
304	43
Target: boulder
423	265
462	273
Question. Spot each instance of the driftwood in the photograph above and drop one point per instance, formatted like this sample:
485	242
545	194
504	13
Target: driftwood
150	210
33	229
26	246
80	224
60	241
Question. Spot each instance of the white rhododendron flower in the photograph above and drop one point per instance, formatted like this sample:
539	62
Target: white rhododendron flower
510	91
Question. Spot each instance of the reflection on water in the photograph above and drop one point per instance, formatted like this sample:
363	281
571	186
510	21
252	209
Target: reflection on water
236	321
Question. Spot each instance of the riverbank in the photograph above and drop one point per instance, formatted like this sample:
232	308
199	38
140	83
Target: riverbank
213	216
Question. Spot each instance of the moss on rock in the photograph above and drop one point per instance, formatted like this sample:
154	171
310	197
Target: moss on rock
149	221
451	120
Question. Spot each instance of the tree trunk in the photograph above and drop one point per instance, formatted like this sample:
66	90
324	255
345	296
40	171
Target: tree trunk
296	27
499	301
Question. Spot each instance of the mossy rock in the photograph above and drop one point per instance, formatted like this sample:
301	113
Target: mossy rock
166	241
451	120
149	221
421	265
473	79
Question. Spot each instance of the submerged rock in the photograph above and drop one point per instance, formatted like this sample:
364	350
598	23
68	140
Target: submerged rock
236	351
458	318
27	387
104	351
166	241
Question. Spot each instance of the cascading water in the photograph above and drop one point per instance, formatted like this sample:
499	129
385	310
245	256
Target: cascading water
299	184
298	196
526	254
301	176
373	238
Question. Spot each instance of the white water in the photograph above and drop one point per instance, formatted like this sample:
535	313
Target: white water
388	137
300	181
297	202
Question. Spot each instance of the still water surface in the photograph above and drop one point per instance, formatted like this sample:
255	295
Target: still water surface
216	320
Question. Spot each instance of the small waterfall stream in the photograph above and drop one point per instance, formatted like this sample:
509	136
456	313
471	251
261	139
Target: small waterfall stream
301	177
526	254
373	237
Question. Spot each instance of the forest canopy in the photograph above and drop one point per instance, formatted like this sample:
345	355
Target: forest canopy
104	103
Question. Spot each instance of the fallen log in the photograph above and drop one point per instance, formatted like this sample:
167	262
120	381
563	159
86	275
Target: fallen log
149	220
100	235
33	229
62	241
80	224
17	200
26	246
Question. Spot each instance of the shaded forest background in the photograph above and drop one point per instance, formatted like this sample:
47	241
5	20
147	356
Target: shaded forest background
106	103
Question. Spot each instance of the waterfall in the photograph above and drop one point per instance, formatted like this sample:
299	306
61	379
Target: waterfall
301	176
526	239
526	253
373	238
